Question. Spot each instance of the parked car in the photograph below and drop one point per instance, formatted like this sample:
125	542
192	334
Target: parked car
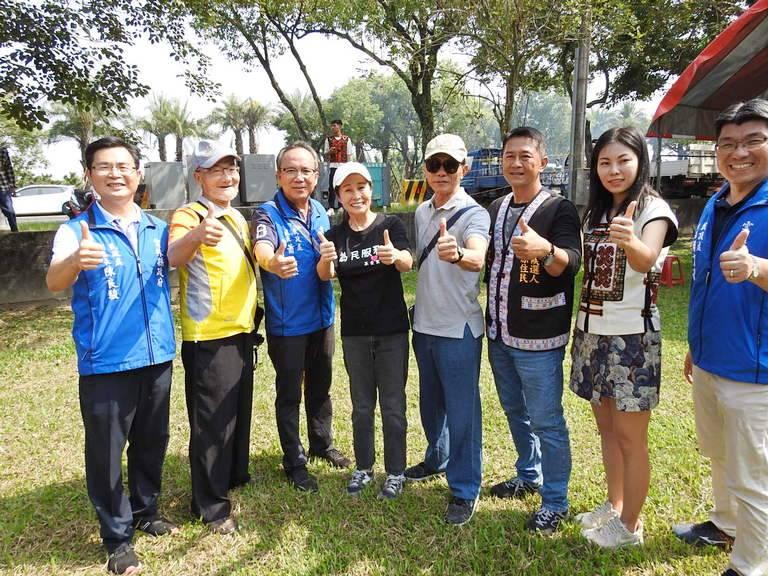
42	199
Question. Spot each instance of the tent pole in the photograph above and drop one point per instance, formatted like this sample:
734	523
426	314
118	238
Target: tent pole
658	156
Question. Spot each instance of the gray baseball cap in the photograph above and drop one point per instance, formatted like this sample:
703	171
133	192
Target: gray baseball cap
208	152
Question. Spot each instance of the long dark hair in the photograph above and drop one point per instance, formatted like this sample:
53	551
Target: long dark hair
600	200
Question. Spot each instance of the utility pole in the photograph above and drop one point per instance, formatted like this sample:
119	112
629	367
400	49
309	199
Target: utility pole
578	173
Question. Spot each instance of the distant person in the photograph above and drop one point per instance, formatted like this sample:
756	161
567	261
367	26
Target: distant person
338	148
616	351
300	311
532	261
728	357
113	256
367	252
451	239
210	245
7	188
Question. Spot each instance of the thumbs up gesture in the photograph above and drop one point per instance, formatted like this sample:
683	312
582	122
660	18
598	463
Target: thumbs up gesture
387	252
621	229
210	231
736	263
90	253
447	247
282	265
528	245
327	248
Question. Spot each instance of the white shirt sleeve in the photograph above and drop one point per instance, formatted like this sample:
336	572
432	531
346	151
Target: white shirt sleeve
65	243
350	150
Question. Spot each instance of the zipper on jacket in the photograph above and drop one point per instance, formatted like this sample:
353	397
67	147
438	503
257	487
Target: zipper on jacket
144	309
759	338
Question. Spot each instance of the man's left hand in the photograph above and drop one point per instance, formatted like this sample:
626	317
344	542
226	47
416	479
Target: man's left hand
529	245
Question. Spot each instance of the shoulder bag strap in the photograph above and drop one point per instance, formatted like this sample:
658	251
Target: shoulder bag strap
451	221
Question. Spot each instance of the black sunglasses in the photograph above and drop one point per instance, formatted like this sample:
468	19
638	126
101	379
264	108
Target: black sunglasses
433	165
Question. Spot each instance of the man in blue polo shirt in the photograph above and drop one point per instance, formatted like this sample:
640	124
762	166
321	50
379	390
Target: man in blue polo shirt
300	311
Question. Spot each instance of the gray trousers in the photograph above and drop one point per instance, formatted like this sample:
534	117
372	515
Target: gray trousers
378	365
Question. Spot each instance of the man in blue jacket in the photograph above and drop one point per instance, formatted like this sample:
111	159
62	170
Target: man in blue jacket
728	339
114	258
300	310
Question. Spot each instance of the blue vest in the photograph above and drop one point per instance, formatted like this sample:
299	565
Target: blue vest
728	323
122	308
302	304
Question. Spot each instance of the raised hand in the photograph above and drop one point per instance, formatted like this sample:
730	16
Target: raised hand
282	265
529	245
736	262
621	229
447	247
327	248
90	253
210	231
386	252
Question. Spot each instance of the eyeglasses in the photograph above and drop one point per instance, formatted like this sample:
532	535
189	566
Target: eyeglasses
433	165
751	144
107	169
221	172
294	172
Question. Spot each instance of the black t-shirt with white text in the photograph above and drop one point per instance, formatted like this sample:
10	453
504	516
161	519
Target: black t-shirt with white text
372	302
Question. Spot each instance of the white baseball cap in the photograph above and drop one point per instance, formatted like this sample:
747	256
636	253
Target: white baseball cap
208	152
449	144
348	168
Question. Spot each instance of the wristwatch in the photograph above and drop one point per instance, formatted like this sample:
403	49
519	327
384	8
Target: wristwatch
550	257
460	253
755	274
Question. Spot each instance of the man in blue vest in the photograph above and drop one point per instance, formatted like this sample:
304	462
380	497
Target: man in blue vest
300	311
114	257
728	358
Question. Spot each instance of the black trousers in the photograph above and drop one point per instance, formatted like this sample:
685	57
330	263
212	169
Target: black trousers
308	358
218	378
331	189
6	206
378	366
130	406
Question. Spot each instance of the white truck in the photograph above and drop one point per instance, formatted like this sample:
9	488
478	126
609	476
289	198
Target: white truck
695	175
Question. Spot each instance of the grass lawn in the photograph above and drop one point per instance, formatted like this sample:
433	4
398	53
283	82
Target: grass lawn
47	525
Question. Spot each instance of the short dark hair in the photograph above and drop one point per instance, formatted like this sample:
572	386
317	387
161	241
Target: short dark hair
600	200
337	121
298	144
526	132
110	142
755	109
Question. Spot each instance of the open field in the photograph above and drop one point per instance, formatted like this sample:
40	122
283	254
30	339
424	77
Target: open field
47	525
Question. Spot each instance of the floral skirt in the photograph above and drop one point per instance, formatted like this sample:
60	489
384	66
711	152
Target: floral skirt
626	368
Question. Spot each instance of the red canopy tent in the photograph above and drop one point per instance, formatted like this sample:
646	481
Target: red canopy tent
733	67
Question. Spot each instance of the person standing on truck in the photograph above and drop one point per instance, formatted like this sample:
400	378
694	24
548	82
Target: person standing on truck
113	256
7	188
338	148
727	361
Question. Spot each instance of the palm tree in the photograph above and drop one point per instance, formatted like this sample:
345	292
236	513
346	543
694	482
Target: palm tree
181	124
231	116
257	117
79	123
158	123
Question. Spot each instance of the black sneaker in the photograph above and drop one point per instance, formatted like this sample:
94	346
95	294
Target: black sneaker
420	472
124	560
703	534
392	487
545	521
460	511
302	480
730	572
359	480
223	526
155	526
333	456
514	488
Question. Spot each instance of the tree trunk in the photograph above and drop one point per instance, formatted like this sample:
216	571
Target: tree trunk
161	148
179	148
253	146
239	142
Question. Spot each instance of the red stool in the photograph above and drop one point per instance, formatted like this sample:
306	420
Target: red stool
668	278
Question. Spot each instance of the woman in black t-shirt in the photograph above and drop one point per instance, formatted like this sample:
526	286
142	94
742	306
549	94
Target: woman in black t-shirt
367	252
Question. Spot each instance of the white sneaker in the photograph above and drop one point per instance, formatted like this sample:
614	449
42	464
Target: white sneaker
597	517
613	534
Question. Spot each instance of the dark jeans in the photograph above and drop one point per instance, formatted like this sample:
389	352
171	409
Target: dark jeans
125	406
6	206
218	377
378	365
306	358
331	189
